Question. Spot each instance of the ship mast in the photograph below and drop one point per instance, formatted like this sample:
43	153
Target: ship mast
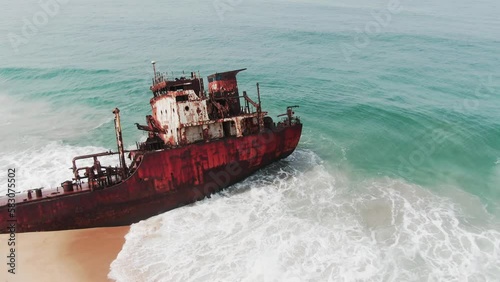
119	142
259	110
154	70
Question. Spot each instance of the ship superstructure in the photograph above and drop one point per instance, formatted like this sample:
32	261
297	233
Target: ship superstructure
183	113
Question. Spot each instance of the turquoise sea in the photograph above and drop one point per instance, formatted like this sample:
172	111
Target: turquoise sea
396	177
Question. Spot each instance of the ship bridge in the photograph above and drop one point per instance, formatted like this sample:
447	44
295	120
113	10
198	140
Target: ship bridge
183	112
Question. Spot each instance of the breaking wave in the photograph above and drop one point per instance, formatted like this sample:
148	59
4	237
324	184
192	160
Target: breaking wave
44	166
34	130
30	122
298	220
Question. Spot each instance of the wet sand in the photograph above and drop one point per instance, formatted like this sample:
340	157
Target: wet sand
75	255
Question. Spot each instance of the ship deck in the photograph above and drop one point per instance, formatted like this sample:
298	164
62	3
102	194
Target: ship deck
50	193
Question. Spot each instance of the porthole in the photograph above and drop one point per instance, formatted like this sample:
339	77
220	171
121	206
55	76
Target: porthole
186	108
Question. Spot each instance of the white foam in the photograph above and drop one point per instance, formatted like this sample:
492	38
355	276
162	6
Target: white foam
32	131
297	221
47	165
27	123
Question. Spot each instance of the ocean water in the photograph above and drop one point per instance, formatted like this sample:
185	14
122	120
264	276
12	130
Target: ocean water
396	177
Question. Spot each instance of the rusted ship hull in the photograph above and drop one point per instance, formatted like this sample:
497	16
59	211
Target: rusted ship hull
163	180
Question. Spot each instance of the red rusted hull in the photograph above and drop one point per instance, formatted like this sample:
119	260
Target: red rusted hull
164	180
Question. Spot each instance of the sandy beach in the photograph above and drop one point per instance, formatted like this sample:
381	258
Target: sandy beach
75	255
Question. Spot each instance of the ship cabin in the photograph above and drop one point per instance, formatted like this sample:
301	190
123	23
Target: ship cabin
184	113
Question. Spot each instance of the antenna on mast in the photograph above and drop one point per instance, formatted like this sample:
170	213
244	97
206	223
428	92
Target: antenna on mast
154	68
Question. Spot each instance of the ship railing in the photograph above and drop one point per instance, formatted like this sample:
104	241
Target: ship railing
160	77
289	117
150	146
98	177
289	121
140	145
164	76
